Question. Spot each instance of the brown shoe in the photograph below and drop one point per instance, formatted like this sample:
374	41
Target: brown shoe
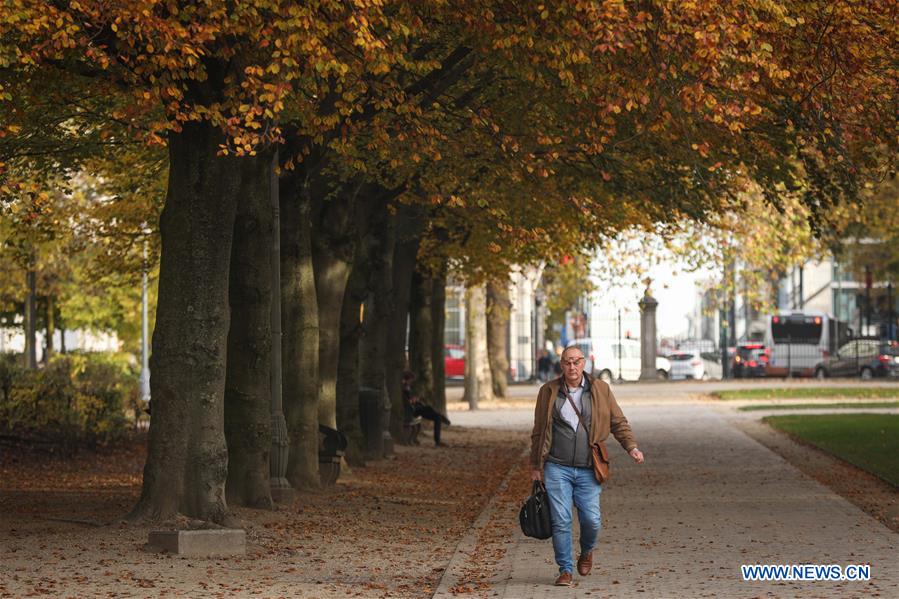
584	563
564	579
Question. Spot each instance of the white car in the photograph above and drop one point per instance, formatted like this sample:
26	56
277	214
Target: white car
686	365
611	361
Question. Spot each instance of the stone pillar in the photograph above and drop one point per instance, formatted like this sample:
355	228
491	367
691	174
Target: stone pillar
648	339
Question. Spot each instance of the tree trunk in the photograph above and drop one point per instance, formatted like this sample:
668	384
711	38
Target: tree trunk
421	334
30	319
299	317
248	380
187	458
498	309
478	386
333	246
51	327
373	344
408	236
438	322
331	276
348	363
370	224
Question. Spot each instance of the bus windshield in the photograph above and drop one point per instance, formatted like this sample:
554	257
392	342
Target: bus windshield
802	329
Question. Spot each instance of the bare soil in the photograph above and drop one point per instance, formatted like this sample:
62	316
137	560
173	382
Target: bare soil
386	530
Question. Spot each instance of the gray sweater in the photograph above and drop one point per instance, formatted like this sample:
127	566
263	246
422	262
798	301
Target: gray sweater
570	447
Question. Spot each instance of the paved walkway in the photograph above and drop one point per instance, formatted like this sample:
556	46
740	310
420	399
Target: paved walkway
707	500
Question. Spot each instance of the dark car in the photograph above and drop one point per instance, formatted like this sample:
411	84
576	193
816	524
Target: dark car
866	358
750	360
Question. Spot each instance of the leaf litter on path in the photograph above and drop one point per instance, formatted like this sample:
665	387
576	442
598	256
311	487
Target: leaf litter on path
387	529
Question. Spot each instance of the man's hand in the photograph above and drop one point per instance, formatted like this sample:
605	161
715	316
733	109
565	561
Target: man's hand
637	455
536	475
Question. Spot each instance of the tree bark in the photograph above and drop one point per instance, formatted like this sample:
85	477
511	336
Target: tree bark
348	363
409	225
331	276
438	322
299	317
50	327
421	334
187	457
30	319
478	386
498	309
248	429
333	246
374	330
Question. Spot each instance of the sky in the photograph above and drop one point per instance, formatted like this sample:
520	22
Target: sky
672	286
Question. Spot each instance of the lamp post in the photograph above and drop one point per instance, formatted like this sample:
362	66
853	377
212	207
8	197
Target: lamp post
278	483
144	327
619	346
891	331
868	281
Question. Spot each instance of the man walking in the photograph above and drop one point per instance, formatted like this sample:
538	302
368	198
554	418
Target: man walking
561	455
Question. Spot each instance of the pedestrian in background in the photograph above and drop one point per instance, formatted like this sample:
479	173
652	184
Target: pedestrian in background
413	406
544	366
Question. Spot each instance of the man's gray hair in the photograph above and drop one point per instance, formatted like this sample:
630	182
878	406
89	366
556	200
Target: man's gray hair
572	346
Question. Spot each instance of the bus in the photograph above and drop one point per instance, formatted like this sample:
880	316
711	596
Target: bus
798	342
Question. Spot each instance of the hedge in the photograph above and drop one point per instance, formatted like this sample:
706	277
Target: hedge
76	400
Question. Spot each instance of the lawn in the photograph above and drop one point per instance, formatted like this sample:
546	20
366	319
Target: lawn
869	441
813	406
812	392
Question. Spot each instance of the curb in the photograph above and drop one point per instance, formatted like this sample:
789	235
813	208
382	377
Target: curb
452	575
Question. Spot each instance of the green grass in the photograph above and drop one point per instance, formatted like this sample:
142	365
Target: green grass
869	441
816	392
815	406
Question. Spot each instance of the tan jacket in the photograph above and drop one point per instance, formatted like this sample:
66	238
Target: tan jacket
606	418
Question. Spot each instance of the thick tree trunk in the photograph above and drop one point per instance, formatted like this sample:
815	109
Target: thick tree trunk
331	276
51	327
372	348
187	457
31	320
438	322
248	381
333	246
421	335
348	363
478	386
370	224
410	222
299	317
498	309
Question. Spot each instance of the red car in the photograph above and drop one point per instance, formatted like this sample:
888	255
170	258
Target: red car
454	361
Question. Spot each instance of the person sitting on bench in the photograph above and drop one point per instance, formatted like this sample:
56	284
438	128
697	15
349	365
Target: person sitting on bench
415	407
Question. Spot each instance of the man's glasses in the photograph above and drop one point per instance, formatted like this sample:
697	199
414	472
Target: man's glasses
572	362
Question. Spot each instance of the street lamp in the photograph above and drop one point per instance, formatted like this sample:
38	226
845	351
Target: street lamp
144	323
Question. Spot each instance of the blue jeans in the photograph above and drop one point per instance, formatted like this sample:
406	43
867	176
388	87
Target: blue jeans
564	485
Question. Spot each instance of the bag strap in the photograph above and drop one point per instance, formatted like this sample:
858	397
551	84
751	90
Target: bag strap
576	411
